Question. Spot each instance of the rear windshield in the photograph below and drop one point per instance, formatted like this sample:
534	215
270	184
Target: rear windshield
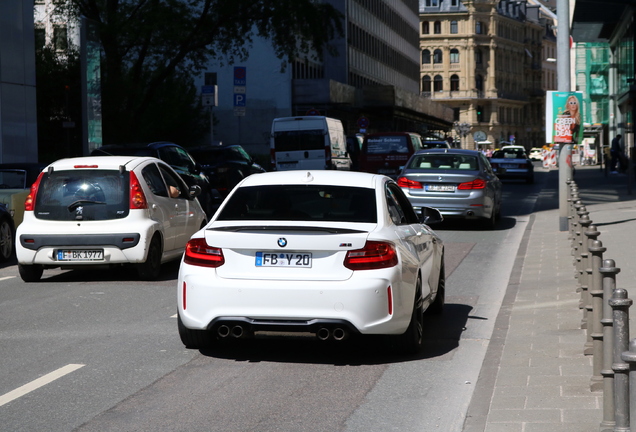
387	144
299	140
434	144
509	154
444	161
83	195
301	203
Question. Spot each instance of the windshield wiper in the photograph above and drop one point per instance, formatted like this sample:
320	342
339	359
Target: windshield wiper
72	206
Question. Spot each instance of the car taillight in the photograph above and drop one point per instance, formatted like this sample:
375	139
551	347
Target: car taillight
137	196
374	255
29	203
494	165
198	253
475	184
410	184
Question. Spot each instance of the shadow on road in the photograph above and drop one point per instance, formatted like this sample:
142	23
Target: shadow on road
441	337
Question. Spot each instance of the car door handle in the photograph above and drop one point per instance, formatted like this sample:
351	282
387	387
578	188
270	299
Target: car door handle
176	206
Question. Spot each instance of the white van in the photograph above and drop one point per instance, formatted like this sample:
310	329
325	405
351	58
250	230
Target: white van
308	142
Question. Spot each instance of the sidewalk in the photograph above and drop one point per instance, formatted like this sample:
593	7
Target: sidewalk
536	377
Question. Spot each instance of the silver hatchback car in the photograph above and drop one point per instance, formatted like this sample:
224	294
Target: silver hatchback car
459	183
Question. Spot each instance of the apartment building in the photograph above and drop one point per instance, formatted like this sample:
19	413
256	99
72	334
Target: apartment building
487	60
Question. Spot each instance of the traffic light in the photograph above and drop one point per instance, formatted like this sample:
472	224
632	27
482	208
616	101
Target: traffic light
480	112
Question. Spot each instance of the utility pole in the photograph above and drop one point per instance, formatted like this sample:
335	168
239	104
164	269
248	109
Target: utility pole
563	85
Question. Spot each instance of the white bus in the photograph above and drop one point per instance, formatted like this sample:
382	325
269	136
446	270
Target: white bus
308	142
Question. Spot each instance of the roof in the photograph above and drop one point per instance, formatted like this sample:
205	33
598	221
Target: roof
321	177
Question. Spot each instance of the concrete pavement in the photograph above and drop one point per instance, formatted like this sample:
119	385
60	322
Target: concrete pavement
536	377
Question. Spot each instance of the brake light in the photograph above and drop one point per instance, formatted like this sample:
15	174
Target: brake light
410	184
475	184
29	203
374	255
198	253
85	166
137	196
494	165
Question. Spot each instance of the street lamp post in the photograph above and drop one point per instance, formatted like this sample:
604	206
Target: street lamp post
462	129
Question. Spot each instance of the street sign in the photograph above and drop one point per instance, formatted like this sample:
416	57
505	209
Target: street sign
239	111
240	75
209	95
363	122
239	100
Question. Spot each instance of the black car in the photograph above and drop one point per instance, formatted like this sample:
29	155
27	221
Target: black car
226	165
7	233
179	159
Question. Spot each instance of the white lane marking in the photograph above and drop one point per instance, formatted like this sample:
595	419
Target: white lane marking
6	277
40	382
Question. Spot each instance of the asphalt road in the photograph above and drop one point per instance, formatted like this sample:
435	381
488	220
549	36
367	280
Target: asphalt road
99	351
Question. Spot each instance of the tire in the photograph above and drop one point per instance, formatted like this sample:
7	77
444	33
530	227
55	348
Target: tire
30	273
491	222
151	268
6	240
193	339
437	307
412	340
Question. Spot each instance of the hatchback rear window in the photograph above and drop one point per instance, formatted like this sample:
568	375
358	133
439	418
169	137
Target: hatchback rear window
387	144
302	203
443	161
83	195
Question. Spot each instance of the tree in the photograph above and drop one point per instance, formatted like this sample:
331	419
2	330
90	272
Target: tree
151	46
58	94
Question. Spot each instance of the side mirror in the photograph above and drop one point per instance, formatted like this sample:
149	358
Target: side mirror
195	191
430	216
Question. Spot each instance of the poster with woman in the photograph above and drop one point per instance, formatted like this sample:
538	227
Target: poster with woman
566	117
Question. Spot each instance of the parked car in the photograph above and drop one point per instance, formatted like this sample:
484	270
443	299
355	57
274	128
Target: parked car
536	154
15	182
387	152
7	234
332	253
459	183
105	211
512	162
179	159
225	166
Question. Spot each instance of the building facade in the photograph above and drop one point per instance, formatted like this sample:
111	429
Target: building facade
372	84
486	59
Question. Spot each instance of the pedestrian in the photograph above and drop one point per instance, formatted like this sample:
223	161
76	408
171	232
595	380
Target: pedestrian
615	152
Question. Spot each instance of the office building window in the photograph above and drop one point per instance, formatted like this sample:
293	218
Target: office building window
479	82
426	84
426	57
438	83
454	55
437	56
454	83
425	27
478	27
437	27
453	27
40	38
60	39
432	3
478	57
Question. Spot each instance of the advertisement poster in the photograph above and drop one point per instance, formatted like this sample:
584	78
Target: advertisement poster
564	117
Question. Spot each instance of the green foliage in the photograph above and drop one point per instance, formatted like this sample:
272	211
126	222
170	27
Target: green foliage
153	48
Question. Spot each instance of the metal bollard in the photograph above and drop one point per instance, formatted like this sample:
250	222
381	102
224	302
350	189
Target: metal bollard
630	358
576	205
586	299
608	272
620	312
595	280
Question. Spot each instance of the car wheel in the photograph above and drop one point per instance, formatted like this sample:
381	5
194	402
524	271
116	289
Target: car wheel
411	341
193	339
150	269
6	240
490	222
437	307
30	273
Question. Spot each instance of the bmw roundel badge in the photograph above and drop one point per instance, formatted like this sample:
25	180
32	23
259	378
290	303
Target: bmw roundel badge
282	242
